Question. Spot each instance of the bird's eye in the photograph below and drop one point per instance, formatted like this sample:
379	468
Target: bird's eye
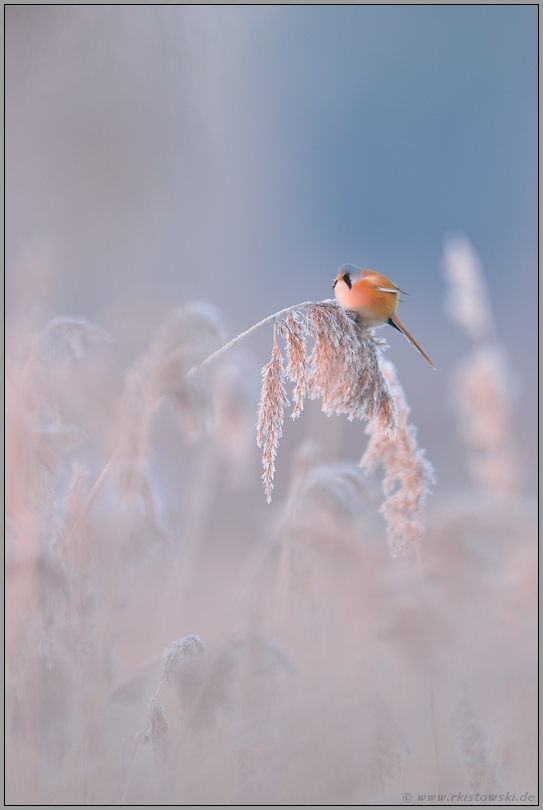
347	280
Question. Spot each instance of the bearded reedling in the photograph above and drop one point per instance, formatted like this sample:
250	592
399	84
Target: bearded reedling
373	298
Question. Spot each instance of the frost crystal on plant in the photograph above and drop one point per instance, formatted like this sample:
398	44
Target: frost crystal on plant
343	370
158	733
293	330
179	652
408	474
344	367
273	402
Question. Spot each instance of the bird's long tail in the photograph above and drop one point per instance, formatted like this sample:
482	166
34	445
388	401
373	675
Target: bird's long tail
397	324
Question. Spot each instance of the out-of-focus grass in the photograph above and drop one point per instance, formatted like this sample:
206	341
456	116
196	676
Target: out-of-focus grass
334	674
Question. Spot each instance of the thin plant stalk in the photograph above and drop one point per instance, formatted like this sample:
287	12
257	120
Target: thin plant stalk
234	342
149	411
142	736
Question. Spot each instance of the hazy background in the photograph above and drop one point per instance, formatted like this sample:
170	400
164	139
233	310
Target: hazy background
157	154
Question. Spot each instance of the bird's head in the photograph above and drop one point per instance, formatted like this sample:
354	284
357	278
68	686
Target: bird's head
347	273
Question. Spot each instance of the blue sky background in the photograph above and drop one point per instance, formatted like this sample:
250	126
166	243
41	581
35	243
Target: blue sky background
240	155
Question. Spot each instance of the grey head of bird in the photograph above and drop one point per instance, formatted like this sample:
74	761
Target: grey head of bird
347	272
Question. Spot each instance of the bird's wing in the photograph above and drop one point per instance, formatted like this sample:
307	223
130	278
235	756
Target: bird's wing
392	290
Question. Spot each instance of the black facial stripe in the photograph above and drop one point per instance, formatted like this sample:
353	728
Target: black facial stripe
334	284
347	280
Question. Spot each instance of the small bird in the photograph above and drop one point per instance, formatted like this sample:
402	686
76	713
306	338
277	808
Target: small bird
374	298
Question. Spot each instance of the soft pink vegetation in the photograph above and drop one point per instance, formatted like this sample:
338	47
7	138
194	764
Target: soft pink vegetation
483	386
408	474
474	745
158	375
467	297
273	402
343	369
90	596
483	391
180	653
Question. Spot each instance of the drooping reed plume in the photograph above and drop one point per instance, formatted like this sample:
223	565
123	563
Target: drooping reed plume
484	389
176	659
327	355
483	386
273	402
473	744
52	350
408	475
466	299
184	340
342	369
230	724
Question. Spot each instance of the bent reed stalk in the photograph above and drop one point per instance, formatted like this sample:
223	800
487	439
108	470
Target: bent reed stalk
104	475
343	368
234	342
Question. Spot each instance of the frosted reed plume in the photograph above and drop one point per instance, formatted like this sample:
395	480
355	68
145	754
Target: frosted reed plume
46	375
59	342
229	725
482	390
343	370
185	339
136	138
467	298
408	474
273	402
38	437
180	655
235	679
73	527
158	733
473	744
482	386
